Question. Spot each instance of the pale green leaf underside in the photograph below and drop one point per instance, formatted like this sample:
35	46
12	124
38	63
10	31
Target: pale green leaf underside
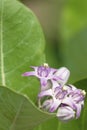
18	113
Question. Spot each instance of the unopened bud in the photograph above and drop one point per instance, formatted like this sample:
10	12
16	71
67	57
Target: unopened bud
65	113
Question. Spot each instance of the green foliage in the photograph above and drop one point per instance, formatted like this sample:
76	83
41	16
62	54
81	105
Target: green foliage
75	54
73	29
18	112
49	125
74	17
21	45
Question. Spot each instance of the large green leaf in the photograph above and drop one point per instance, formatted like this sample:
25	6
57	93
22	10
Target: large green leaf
48	125
21	46
18	112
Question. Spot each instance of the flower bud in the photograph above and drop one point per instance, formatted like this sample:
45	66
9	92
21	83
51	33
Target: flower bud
62	75
47	104
65	113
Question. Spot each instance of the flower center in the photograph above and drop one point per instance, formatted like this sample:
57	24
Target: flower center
43	71
78	96
60	92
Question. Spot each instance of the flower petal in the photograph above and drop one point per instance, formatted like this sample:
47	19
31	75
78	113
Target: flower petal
47	86
55	105
52	72
43	82
32	73
65	113
78	110
72	87
55	84
62	75
69	102
45	93
46	104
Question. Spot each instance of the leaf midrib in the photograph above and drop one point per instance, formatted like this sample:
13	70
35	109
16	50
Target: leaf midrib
2	55
12	127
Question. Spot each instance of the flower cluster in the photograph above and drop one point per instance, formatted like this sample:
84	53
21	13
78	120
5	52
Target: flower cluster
55	96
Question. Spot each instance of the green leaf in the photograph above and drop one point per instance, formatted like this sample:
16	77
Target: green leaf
48	125
57	125
21	46
17	112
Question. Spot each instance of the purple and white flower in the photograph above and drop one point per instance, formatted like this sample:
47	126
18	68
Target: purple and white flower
44	73
68	100
55	95
62	75
76	96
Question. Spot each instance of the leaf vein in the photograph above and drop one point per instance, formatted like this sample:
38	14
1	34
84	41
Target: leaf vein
2	55
16	116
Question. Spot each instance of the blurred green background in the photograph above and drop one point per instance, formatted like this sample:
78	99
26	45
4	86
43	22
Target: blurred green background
64	23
